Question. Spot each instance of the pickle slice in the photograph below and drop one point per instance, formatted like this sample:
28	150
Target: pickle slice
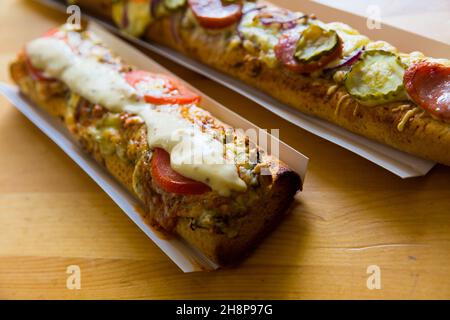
377	78
174	4
314	43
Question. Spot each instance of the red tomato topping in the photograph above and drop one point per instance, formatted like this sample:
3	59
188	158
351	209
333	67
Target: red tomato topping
285	52
428	84
160	89
216	14
171	181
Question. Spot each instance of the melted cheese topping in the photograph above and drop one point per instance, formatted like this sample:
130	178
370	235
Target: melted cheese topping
92	80
259	36
193	153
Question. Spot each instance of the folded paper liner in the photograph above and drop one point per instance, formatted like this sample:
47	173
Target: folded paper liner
186	257
400	163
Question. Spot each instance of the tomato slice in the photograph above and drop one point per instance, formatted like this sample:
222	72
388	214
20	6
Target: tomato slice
216	14
171	181
160	89
428	84
285	52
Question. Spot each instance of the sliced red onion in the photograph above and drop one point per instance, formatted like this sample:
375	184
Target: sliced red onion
256	8
290	17
349	61
238	29
289	25
287	21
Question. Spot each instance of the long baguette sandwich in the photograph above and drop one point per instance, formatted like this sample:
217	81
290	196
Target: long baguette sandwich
196	176
327	70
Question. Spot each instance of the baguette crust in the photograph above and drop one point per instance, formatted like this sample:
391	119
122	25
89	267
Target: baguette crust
401	125
168	211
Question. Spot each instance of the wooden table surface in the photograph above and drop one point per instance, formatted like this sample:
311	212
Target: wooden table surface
352	215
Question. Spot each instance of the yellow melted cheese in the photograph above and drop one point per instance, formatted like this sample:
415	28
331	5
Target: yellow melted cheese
259	37
193	153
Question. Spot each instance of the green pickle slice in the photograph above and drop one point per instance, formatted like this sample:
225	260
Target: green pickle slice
315	42
376	78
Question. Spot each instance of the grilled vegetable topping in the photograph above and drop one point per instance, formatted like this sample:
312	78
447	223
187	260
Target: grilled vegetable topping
376	78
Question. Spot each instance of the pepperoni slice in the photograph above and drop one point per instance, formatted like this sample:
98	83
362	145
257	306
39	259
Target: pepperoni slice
285	52
171	181
428	84
216	14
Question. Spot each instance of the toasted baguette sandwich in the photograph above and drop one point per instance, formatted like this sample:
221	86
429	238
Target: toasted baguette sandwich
149	131
327	70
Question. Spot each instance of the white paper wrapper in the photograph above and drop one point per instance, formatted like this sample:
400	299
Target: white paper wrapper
400	163
187	258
